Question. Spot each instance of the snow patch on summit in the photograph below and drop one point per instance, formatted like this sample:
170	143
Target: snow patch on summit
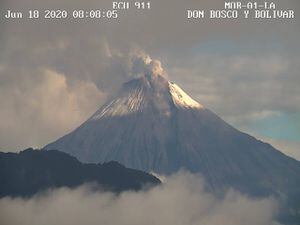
130	103
140	95
181	99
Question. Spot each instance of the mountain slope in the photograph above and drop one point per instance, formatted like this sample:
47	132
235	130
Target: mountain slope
31	171
152	125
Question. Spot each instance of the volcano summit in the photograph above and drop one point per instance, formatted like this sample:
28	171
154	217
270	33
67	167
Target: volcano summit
150	124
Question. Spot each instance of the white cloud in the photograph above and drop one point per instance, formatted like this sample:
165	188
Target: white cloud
180	200
39	109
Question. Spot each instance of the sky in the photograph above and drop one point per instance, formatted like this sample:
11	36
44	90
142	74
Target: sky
55	73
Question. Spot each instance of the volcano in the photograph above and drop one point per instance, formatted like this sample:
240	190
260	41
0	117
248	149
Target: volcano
153	125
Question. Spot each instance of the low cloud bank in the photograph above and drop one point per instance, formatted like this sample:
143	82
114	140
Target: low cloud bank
180	200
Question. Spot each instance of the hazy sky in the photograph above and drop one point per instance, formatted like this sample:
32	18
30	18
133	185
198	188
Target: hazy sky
55	74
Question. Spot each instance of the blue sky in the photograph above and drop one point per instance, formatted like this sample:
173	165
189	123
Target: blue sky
283	127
